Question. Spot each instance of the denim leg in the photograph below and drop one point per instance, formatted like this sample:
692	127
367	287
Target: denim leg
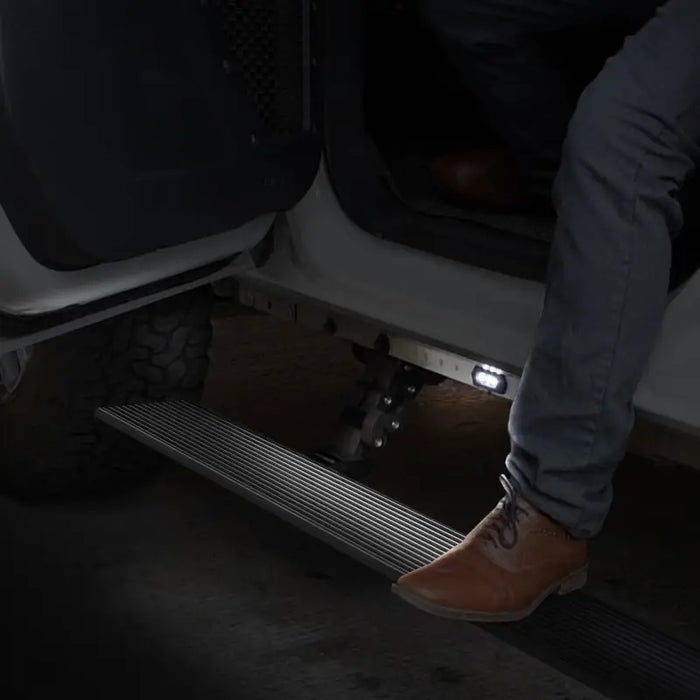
497	46
631	144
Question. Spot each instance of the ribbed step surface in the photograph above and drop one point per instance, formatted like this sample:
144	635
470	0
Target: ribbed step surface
367	525
582	637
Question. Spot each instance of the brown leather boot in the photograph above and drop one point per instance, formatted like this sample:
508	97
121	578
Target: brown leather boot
485	178
507	565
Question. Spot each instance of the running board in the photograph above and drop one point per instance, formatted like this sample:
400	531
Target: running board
584	638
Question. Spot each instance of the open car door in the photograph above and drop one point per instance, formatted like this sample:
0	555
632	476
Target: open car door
128	126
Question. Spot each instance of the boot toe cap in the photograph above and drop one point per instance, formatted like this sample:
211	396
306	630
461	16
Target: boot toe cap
468	589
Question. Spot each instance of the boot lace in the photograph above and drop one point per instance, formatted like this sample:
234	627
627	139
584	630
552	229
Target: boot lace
502	530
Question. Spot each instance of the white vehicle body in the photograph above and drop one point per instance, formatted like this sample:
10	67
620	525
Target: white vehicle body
445	315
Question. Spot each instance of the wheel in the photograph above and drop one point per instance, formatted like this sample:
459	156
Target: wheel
50	443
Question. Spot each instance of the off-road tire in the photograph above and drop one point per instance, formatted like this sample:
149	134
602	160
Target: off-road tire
50	443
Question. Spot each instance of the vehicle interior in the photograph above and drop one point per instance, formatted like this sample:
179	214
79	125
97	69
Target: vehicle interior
396	103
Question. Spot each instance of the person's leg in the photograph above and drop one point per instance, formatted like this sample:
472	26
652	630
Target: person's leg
630	146
498	48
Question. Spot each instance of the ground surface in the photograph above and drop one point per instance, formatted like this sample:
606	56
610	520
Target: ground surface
183	591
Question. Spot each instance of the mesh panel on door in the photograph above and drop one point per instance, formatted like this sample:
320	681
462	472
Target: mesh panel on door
263	42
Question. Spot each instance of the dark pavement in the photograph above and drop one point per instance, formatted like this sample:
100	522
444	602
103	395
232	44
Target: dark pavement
182	590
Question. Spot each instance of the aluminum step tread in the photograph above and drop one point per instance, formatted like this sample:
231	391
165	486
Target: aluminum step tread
390	537
581	636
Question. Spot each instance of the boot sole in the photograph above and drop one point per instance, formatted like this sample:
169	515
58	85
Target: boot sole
568	584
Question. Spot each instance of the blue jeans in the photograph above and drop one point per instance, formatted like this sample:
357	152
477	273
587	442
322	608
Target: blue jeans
632	142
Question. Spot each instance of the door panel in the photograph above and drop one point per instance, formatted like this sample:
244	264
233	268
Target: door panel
128	126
